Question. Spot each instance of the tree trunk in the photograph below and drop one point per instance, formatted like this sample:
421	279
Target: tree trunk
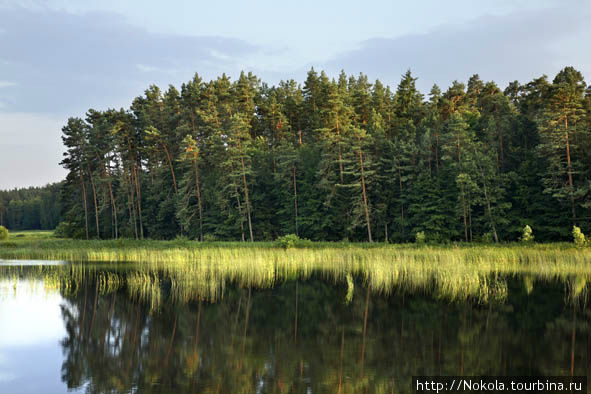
401	202
139	200
570	173
171	167
437	152
501	154
365	205
464	214
490	216
198	199
96	216
295	198
113	204
84	203
340	152
239	206
131	202
247	200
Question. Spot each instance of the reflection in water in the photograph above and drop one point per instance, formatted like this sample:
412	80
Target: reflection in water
309	334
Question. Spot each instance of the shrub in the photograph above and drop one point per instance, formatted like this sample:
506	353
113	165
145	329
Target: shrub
209	238
420	237
578	237
69	230
3	233
527	234
487	238
291	241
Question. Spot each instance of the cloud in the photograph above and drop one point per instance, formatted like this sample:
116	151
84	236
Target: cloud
5	84
521	45
64	63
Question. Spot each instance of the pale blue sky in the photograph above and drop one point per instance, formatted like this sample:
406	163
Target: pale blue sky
60	57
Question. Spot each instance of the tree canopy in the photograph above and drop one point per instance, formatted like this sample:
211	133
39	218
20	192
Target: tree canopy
334	159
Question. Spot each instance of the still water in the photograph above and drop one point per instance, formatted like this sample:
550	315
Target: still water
312	335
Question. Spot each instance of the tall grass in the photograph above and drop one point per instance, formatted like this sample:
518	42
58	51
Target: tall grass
195	270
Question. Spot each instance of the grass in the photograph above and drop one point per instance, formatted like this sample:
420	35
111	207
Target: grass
196	270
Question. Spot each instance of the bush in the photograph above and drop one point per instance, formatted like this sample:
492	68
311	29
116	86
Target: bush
527	234
69	230
291	241
420	237
578	237
3	233
487	238
209	238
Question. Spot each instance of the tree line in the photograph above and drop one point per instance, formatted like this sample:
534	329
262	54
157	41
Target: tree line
32	208
333	159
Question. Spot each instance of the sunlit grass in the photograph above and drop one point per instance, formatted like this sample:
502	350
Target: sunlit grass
194	270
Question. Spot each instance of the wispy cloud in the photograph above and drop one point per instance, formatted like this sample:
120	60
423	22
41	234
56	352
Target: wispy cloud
521	45
6	84
66	63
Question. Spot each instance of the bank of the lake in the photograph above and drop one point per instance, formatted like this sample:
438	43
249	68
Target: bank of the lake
525	256
383	264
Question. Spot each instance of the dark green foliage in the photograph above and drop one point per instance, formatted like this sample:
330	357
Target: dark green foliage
333	160
34	208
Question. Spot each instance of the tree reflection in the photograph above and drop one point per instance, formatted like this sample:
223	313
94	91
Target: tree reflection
247	341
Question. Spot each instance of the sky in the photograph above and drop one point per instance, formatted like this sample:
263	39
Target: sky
58	58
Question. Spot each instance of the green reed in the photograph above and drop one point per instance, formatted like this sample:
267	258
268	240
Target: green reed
194	270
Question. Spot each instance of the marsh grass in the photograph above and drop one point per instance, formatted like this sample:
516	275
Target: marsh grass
187	270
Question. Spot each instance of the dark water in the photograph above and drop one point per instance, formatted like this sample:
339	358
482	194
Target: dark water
301	336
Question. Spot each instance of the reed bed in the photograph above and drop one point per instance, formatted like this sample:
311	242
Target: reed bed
193	270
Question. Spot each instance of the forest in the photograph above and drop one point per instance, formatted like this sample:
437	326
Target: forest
334	159
32	208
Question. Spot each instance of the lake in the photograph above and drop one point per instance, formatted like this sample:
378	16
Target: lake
125	329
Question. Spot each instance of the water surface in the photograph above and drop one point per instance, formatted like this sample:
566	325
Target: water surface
102	329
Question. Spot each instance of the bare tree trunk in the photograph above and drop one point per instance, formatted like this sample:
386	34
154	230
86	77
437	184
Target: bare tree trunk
464	214
84	204
198	187
247	200
295	198
139	200
113	204
470	221
131	202
490	216
501	154
570	173
401	202
171	167
96	215
365	205
239	207
437	152
340	152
